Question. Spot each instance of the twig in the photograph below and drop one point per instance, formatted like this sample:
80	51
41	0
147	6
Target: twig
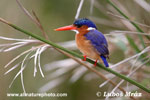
36	20
117	16
91	6
79	9
126	32
4	21
40	25
26	12
144	4
134	56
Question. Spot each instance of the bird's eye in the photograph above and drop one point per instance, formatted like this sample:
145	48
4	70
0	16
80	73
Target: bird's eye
78	26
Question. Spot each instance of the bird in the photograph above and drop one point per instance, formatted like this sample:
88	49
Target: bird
91	42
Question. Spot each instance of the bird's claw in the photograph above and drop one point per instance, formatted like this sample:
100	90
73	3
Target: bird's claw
84	58
95	63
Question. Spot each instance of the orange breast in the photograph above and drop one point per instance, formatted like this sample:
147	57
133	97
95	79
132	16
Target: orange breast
86	47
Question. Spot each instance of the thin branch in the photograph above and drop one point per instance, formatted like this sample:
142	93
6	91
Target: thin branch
104	83
120	17
36	20
144	4
15	47
14	59
14	67
4	21
23	67
91	6
39	64
79	9
40	25
26	12
14	39
35	61
19	56
127	59
126	32
20	71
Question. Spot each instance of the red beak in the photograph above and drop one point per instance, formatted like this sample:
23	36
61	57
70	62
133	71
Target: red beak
65	28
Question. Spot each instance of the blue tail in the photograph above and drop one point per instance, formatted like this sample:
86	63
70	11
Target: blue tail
105	61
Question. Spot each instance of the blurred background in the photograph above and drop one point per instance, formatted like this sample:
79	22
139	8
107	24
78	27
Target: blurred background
62	74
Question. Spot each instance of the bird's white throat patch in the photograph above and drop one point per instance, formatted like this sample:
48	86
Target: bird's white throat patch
75	31
91	28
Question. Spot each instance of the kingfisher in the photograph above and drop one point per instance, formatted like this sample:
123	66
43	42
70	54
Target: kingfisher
91	42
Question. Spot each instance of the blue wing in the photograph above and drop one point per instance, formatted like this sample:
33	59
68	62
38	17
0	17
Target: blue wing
98	41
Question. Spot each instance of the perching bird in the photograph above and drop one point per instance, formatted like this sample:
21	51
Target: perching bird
89	40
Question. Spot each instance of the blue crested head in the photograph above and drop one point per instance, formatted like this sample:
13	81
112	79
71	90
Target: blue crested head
84	21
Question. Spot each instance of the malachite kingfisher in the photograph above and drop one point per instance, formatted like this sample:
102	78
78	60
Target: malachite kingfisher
89	40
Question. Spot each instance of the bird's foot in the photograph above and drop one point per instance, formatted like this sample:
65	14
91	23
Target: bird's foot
95	63
84	58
